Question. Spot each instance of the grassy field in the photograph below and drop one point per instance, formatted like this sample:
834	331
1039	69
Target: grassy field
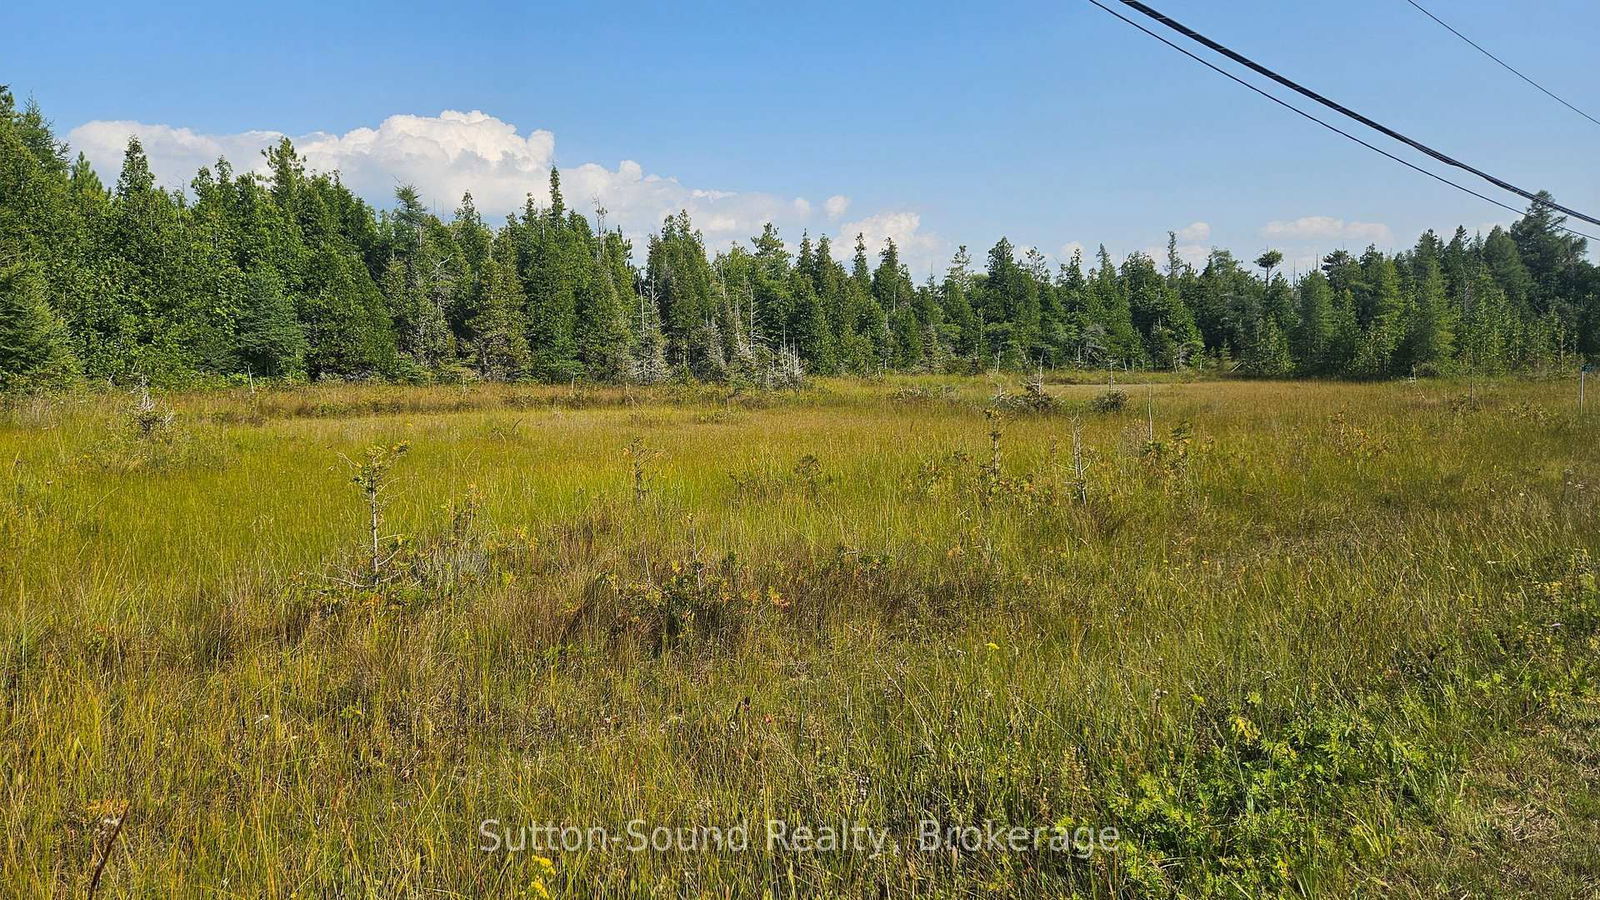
1287	639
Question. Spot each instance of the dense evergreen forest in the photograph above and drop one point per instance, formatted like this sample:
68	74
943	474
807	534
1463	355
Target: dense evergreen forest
290	275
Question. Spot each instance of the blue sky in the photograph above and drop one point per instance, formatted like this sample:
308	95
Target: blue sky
941	123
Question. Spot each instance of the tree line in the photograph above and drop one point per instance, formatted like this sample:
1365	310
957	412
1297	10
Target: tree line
288	274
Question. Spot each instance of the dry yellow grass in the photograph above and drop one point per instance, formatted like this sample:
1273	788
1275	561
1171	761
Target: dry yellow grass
1279	649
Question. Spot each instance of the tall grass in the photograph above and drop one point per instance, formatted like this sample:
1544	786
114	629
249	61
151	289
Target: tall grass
1295	644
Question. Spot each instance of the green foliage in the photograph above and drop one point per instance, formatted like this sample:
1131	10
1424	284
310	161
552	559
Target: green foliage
269	340
35	353
287	274
1267	354
1109	401
497	334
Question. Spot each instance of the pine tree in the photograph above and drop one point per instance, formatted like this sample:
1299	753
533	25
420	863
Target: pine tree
35	351
869	341
52	218
1458	261
680	280
1110	310
1552	255
1268	261
1158	312
1376	354
1429	343
599	318
419	280
548	268
1215	299
288	172
961	332
474	241
1057	332
269	341
35	213
1505	264
834	293
1010	303
96	318
347	326
496	332
414	326
813	338
1268	355
1485	326
1314	335
1072	292
892	289
146	265
768	288
1345	336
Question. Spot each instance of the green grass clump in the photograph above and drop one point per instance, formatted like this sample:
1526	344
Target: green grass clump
1286	639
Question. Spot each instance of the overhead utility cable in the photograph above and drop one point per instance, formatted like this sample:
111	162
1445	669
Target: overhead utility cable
1333	128
1346	111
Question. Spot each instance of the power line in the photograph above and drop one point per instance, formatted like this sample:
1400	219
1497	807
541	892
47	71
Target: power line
1331	127
1505	65
1347	112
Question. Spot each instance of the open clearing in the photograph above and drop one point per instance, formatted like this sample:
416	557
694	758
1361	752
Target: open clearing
1312	638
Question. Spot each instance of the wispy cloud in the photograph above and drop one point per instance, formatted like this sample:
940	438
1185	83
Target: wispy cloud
1328	228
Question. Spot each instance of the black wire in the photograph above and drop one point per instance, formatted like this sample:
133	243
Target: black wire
1350	113
1333	128
1505	65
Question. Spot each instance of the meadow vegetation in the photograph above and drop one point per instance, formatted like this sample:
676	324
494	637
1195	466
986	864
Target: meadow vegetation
1289	639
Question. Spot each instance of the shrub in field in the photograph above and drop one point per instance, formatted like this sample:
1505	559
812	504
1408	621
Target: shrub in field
1109	401
1035	398
1236	808
150	420
806	479
949	473
851	582
397	571
809	475
372	478
922	394
1356	442
691	605
1169	459
639	459
151	438
992	471
463	553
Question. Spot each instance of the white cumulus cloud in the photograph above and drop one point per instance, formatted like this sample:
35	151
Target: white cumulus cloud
443	156
175	153
449	154
1194	233
920	250
1328	228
